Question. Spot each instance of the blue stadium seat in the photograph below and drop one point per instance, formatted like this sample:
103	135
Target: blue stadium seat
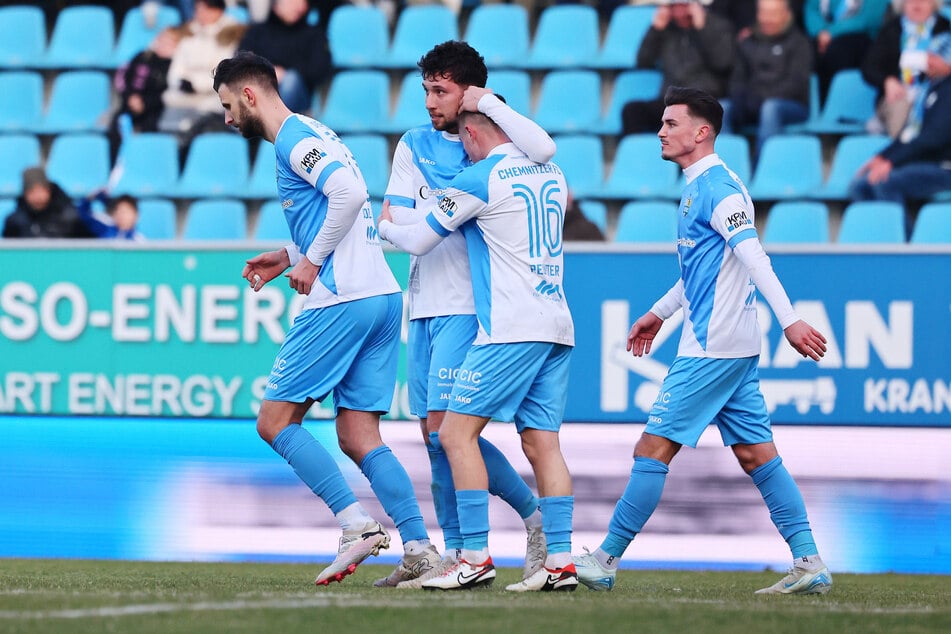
22	36
569	101
778	176
515	86
136	36
83	37
410	110
372	153
814	111
632	85
358	101
647	221
216	219
418	29
17	152
734	151
359	36
79	102
21	101
638	171
581	158
147	165
797	222
596	212
217	165
851	152
500	32
933	225
872	222
79	163
262	183
626	29
271	223
567	36
157	219
849	104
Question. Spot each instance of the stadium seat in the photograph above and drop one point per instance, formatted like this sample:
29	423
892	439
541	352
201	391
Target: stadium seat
239	13
626	29
156	219
271	223
596	212
21	101
147	165
79	163
567	36
933	225
216	219
638	171
79	102
851	152
217	165
814	111
734	151
17	152
569	101
647	221
83	37
358	101
872	222
778	177
418	29
410	110
359	36
849	104
136	36
581	158
262	183
500	32
22	36
515	86
632	85
372	153
797	222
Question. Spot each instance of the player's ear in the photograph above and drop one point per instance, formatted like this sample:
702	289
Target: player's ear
248	93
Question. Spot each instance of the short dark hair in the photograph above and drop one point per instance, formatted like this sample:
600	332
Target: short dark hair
456	60
699	103
118	200
245	66
215	4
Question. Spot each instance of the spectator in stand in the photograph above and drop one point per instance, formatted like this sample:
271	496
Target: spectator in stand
191	102
841	31
119	221
691	47
740	13
770	83
897	64
43	211
917	164
577	226
299	51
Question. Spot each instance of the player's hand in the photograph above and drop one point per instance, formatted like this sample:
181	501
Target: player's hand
806	340
263	268
384	214
471	97
642	334
302	276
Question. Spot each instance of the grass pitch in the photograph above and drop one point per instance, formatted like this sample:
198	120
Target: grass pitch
78	596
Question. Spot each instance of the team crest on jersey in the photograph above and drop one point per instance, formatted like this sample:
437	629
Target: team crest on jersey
737	221
310	160
687	204
448	206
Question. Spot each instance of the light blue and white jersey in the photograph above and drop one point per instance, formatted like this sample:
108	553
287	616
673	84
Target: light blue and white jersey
512	213
719	297
425	161
308	153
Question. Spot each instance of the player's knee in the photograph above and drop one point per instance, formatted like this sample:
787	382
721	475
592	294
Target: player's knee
268	429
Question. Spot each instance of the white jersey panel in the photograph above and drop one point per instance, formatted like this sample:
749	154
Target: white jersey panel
511	211
307	153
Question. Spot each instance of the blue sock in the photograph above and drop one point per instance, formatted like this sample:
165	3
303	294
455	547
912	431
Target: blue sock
473	507
505	482
393	488
444	493
315	466
636	505
556	522
786	507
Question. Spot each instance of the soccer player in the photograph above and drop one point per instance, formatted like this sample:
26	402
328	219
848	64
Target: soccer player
715	375
346	340
511	211
442	314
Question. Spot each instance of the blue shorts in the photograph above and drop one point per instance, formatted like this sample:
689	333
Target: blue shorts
437	347
699	391
350	350
522	382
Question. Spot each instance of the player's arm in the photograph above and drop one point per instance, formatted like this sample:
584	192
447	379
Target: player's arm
643	331
401	188
527	135
454	209
418	238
